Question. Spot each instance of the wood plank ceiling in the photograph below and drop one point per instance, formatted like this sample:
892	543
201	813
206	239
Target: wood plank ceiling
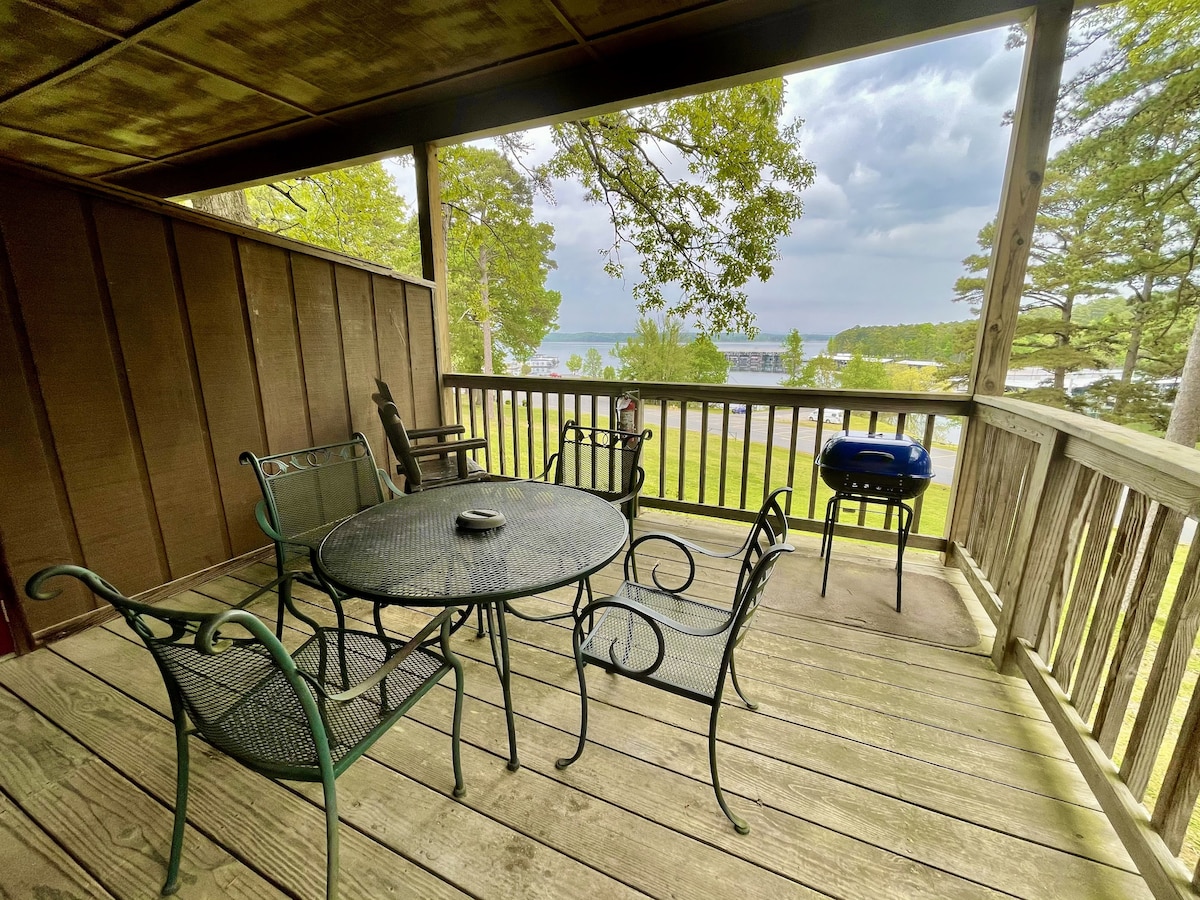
172	98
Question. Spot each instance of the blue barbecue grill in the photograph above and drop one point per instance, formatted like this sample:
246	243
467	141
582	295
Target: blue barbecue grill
877	469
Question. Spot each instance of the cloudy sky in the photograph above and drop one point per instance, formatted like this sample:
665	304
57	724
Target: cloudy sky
909	150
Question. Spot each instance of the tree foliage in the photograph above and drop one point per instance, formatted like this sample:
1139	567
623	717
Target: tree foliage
792	359
658	352
356	210
700	190
498	258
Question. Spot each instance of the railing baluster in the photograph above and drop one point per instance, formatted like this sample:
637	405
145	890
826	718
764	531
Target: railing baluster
545	429
919	503
814	476
1112	591
770	447
724	451
1159	552
703	448
1177	799
746	454
514	403
1105	497
662	443
682	445
1165	679
791	475
529	431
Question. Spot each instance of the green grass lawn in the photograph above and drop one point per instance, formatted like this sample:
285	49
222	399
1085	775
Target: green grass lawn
663	479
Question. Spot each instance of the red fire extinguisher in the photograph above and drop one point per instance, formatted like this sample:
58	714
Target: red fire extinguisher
627	414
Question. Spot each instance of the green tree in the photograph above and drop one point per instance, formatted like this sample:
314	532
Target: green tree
356	210
656	352
707	364
700	190
821	372
593	364
792	358
574	363
498	258
864	375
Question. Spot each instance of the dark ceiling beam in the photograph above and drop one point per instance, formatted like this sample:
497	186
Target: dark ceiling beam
802	37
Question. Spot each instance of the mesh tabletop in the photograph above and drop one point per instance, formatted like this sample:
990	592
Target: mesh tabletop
410	550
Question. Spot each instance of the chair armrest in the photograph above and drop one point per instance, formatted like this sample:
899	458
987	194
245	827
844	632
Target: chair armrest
544	475
441	620
437	431
388	483
450	447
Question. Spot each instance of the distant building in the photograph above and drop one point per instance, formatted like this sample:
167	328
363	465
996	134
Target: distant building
754	360
538	365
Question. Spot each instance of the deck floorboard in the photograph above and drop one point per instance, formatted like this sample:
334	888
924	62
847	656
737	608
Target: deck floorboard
875	766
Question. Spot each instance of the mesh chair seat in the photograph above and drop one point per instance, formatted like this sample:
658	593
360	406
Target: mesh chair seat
241	702
690	664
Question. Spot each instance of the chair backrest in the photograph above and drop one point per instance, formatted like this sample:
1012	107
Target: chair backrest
384	391
766	542
601	461
307	490
211	675
397	435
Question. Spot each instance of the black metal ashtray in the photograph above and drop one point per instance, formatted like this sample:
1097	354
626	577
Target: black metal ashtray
479	519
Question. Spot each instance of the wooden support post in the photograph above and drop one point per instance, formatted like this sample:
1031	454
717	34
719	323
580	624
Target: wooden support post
1023	177
433	260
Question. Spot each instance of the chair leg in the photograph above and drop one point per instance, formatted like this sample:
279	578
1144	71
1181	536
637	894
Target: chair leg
456	727
737	685
832	511
171	885
739	825
583	702
331	835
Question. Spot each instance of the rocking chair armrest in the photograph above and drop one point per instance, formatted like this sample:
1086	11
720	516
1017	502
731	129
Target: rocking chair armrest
441	620
437	431
450	447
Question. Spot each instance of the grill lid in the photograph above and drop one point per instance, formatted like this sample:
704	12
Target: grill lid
876	454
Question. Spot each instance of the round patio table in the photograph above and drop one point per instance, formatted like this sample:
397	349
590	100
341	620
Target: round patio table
410	552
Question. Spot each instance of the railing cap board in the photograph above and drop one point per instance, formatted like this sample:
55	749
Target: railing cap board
942	403
1167	472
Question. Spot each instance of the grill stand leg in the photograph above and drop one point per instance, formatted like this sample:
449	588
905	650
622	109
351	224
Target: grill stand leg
904	517
832	510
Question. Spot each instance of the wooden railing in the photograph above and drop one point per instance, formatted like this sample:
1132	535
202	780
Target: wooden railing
1075	532
736	442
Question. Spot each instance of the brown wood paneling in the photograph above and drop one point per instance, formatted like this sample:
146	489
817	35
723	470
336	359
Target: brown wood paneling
35	524
427	400
81	381
141	283
225	362
359	350
391	333
268	286
321	348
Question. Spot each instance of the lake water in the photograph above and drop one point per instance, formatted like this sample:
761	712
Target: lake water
564	349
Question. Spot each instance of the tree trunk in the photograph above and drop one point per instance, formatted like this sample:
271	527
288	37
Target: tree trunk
485	318
1135	334
1184	427
1063	339
231	205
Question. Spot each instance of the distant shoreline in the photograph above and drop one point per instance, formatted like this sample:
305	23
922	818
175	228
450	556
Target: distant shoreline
598	337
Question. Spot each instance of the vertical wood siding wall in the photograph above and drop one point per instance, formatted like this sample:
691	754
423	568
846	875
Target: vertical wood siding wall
141	352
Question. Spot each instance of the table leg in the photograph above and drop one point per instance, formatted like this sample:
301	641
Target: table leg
498	634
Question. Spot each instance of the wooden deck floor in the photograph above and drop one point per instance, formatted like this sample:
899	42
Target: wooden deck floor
875	767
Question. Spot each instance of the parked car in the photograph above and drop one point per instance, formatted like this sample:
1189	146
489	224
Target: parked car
831	415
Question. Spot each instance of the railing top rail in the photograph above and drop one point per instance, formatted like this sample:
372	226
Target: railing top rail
942	403
1167	472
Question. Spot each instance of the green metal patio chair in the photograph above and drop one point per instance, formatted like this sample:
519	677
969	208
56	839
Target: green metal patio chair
301	716
306	494
656	635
